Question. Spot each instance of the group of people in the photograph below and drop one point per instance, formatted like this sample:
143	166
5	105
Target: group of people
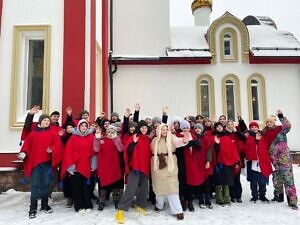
181	160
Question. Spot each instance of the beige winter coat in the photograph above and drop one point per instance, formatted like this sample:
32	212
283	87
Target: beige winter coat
165	181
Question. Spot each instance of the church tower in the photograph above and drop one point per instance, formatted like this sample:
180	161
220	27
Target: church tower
201	10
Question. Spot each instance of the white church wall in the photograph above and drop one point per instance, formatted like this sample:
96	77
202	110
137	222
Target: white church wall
141	27
29	12
175	86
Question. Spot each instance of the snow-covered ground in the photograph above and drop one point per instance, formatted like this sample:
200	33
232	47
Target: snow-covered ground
14	208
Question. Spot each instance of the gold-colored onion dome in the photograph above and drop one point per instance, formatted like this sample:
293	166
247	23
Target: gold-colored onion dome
201	3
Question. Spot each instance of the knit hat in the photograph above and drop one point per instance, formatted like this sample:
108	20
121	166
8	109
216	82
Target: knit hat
114	114
184	124
43	116
156	119
253	124
81	122
192	119
142	123
132	124
199	125
218	124
117	124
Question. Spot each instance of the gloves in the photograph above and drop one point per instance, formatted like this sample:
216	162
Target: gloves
21	155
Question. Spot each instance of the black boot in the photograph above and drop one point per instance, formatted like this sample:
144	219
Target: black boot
183	205
33	209
101	206
278	198
191	206
45	207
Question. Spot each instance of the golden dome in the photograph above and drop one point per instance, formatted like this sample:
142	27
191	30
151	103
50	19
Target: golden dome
201	3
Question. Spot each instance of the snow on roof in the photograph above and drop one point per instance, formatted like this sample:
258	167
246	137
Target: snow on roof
188	41
266	41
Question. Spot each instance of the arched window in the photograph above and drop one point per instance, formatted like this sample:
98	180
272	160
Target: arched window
257	98
228	45
205	95
231	96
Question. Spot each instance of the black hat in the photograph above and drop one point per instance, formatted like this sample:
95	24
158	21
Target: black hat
142	123
55	113
43	116
218	124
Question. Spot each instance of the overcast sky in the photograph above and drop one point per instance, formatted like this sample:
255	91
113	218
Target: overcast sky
286	14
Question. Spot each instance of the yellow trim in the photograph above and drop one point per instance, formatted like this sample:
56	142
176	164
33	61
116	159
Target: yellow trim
211	93
234	56
228	18
237	97
13	123
262	91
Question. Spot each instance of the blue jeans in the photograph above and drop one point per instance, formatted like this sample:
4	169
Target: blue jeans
40	181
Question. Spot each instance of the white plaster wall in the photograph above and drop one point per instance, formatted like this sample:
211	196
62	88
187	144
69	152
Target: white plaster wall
141	27
202	16
29	12
175	86
99	22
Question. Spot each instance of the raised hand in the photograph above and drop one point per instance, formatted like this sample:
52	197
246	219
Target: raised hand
135	138
258	136
137	106
165	110
35	109
98	133
279	112
127	113
69	111
186	136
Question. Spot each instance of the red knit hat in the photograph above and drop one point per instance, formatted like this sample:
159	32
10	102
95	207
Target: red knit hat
253	124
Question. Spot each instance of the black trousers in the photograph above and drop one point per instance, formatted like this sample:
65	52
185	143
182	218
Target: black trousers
81	192
236	189
67	186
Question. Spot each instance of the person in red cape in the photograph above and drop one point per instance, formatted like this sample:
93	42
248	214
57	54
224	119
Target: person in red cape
237	138
41	150
109	167
29	125
77	162
137	156
259	165
197	160
227	158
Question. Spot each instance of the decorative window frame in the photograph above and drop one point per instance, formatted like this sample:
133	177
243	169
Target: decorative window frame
237	94
21	36
211	89
263	99
234	45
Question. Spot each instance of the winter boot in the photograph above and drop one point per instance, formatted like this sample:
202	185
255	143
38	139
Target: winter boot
116	195
120	216
180	216
264	199
141	210
45	207
226	195
183	205
278	198
101	206
69	203
33	209
191	206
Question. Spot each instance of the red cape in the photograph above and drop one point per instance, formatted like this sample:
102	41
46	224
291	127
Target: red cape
35	146
109	169
141	155
259	152
228	154
78	152
195	161
26	132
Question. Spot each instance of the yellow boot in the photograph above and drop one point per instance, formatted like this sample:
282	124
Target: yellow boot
120	216
141	210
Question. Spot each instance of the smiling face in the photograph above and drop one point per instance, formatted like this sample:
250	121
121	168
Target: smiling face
54	118
45	122
164	131
230	125
83	128
219	128
144	130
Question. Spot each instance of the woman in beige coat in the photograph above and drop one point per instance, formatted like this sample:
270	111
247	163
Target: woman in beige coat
164	170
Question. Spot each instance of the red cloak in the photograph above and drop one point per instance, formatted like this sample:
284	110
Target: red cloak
35	146
109	169
78	152
228	154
